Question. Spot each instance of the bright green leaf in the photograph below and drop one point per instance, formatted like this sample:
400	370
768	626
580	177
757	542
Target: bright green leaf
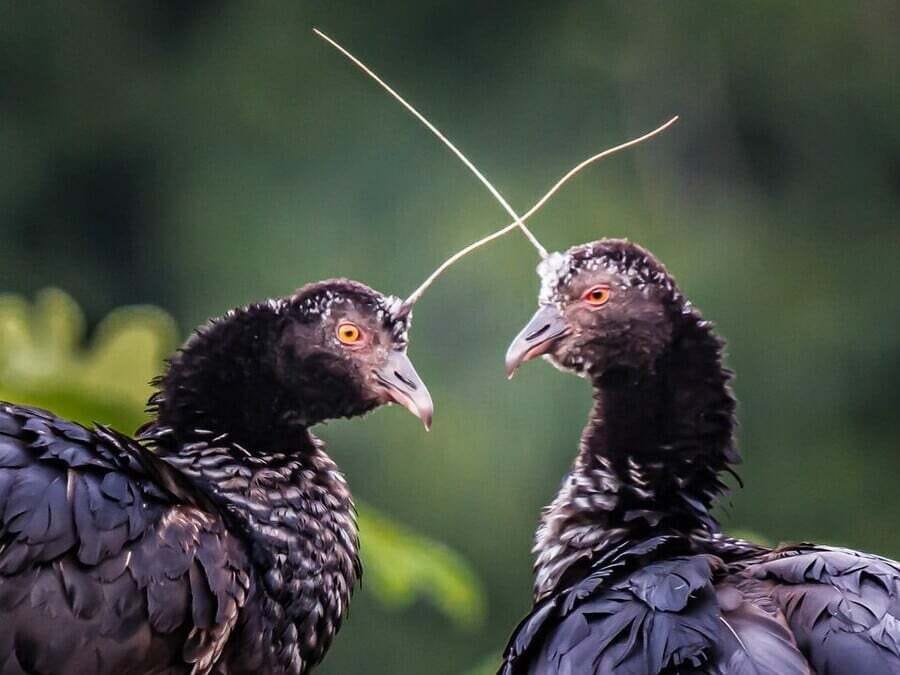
402	565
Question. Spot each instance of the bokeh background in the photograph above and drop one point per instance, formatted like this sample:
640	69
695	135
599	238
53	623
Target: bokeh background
196	156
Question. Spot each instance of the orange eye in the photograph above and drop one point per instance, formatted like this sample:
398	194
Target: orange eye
596	296
348	333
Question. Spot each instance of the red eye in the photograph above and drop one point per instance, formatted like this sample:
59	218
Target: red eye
596	296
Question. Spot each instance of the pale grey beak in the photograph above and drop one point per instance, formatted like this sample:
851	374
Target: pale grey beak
546	327
403	385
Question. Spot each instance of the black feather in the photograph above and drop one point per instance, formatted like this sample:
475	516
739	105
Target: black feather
223	539
632	574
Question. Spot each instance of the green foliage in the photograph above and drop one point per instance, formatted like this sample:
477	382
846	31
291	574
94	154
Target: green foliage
43	363
401	565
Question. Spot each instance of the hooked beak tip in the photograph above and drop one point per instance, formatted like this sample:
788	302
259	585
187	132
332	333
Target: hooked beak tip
399	383
423	408
419	404
512	365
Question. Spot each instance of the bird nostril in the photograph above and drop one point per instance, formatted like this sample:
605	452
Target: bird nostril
540	331
405	380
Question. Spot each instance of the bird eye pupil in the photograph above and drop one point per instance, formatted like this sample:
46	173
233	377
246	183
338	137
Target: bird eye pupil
348	333
598	295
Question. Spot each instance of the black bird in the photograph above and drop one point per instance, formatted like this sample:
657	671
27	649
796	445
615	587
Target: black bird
632	574
222	539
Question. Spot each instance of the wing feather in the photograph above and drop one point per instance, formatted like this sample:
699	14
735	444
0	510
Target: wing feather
842	606
756	641
659	617
102	569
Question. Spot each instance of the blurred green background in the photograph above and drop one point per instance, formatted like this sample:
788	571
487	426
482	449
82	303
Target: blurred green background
196	156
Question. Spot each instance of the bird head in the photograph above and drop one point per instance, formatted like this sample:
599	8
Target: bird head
344	345
602	305
261	373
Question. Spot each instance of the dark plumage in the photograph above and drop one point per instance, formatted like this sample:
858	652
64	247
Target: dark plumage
222	539
632	573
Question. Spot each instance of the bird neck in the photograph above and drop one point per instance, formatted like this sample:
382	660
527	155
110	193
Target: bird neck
295	516
239	444
650	457
223	381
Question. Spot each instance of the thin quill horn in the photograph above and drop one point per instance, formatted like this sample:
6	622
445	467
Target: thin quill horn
433	129
416	294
